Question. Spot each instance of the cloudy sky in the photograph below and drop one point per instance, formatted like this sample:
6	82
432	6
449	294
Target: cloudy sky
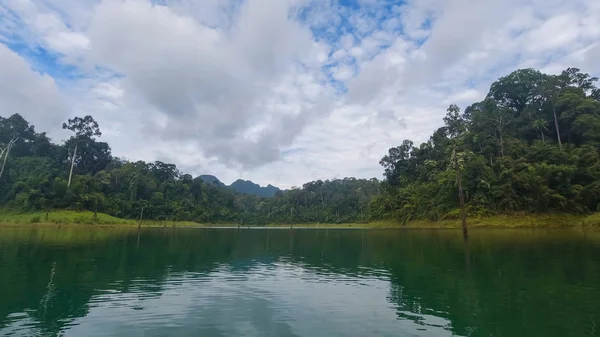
275	91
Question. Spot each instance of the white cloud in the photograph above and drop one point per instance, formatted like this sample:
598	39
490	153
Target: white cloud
591	57
557	32
67	42
28	93
244	89
211	86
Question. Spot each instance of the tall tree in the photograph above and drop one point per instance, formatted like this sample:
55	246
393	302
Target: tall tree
461	197
84	128
457	129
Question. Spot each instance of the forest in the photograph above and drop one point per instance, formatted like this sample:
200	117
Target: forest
531	146
81	174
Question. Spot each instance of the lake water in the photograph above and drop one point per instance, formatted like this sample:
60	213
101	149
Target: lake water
275	282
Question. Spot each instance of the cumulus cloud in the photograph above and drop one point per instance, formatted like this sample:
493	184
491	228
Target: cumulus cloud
232	87
28	93
240	93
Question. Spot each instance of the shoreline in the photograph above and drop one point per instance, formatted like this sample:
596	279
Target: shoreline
86	219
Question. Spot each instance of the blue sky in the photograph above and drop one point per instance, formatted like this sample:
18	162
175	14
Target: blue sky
276	91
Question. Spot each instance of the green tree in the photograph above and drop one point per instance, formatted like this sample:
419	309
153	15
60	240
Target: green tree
92	156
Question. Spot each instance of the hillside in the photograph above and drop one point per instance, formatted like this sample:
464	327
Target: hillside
243	186
248	187
211	179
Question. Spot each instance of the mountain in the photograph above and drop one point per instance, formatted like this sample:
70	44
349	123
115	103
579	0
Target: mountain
248	187
244	186
211	180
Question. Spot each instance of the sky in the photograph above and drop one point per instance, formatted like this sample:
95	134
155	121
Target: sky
278	92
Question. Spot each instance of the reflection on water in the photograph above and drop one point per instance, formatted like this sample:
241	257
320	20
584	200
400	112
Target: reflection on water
273	282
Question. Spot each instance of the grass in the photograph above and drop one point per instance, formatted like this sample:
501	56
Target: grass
69	217
592	220
58	217
496	221
322	225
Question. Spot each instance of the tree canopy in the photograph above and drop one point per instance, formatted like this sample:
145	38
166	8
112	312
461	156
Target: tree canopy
530	146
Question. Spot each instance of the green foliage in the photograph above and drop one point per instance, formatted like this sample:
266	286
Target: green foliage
12	216
508	152
37	181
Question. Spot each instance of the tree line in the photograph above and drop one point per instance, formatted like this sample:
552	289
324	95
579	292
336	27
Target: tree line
532	145
82	174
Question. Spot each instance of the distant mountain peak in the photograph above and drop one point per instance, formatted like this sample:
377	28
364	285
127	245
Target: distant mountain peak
211	179
244	186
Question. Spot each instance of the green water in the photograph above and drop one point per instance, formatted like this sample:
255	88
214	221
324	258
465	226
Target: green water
219	282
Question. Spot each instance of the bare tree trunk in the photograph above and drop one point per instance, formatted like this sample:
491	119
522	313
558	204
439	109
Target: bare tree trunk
543	139
72	164
2	153
500	123
6	151
461	197
557	128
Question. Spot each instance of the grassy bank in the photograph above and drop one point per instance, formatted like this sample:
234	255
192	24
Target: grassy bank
58	217
321	225
498	221
66	217
592	221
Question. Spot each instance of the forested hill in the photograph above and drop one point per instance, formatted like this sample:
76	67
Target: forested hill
211	179
532	145
244	186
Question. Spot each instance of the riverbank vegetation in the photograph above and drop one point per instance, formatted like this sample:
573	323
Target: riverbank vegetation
530	147
78	218
74	217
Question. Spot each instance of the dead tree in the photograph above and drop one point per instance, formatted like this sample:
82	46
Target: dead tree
72	164
5	152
